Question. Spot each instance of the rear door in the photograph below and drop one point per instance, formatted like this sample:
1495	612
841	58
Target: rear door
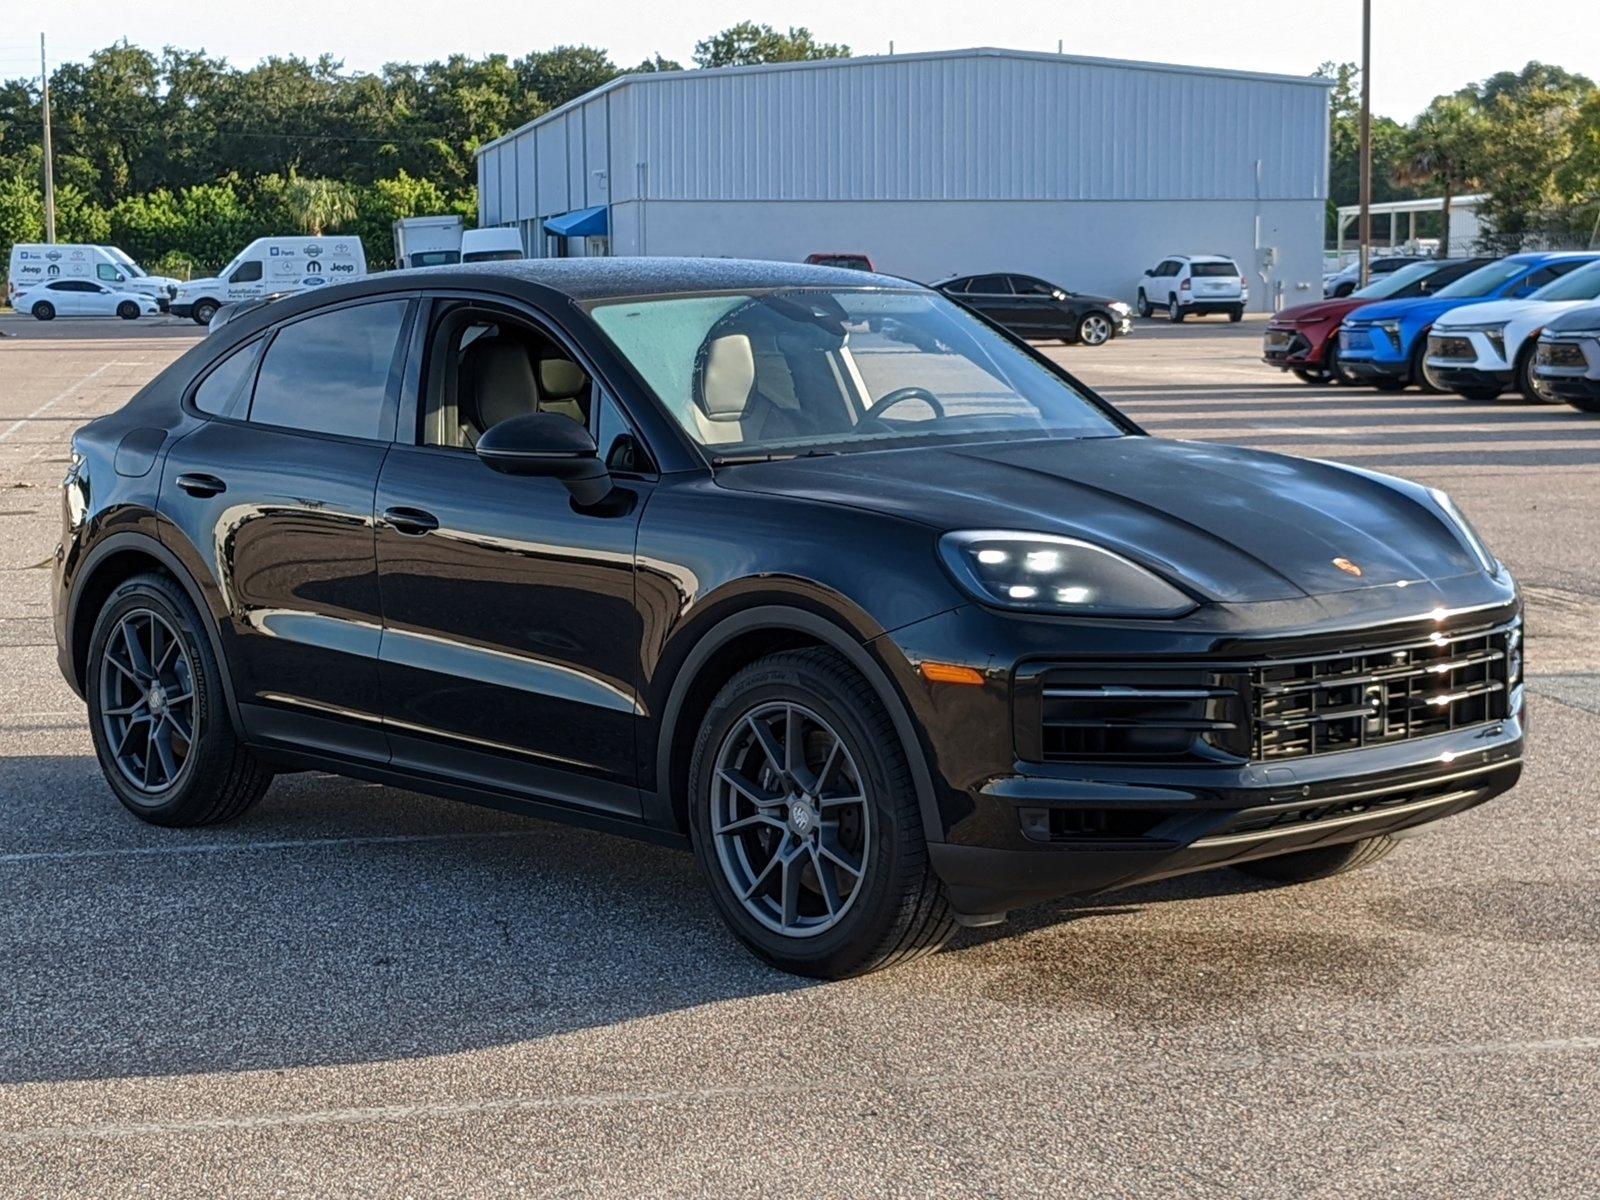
511	638
273	495
992	296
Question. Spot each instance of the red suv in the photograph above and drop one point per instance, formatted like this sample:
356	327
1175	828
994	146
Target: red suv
1305	339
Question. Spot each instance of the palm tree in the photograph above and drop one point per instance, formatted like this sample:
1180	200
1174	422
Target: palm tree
1441	151
316	204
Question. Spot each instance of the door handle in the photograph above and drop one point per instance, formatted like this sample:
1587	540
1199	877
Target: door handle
411	521
197	484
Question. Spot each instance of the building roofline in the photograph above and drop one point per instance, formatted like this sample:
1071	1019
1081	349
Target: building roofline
816	64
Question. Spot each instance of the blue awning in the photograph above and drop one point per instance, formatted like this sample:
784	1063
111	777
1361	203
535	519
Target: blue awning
586	222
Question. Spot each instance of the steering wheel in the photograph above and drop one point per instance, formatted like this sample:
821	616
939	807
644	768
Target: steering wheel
904	393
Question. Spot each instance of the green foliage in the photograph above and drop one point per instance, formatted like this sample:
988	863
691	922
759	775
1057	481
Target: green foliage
1444	153
747	43
1344	148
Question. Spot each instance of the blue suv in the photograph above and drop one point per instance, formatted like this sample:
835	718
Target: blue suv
1383	344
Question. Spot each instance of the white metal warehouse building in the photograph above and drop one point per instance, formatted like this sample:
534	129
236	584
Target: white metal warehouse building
1085	171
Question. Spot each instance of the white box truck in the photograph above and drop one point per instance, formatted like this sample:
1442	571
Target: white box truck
272	266
35	263
491	245
427	241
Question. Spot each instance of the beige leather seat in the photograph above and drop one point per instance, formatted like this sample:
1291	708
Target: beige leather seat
497	384
564	388
733	407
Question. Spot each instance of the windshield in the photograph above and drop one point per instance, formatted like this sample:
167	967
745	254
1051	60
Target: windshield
126	263
819	370
472	256
1582	284
1484	281
1397	282
435	258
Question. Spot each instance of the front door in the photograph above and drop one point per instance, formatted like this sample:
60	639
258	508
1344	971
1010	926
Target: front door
511	640
273	496
992	296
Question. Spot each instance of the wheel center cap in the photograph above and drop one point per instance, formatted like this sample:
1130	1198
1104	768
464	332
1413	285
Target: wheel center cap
803	818
157	699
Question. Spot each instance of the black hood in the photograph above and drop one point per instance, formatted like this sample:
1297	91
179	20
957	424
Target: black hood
1234	525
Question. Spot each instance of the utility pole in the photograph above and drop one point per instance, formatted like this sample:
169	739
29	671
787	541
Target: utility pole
49	160
1366	140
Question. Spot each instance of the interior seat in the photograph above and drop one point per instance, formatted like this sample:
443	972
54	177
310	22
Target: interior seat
497	383
727	394
564	388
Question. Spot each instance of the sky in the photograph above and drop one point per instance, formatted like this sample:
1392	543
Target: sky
1421	48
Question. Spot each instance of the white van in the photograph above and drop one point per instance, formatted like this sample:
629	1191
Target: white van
427	241
272	267
491	245
35	263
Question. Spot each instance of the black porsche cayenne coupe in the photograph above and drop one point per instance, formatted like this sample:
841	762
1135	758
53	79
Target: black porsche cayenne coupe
895	623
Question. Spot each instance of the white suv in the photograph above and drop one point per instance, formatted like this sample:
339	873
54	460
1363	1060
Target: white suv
1194	284
1480	350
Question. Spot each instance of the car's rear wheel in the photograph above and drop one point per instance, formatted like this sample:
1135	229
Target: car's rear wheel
1419	368
805	820
1306	865
128	310
157	713
1144	305
1236	314
1174	311
44	311
1094	330
204	311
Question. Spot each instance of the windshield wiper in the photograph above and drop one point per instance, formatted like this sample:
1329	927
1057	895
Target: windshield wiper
734	460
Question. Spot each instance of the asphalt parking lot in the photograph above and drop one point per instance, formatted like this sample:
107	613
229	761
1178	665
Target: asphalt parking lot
359	991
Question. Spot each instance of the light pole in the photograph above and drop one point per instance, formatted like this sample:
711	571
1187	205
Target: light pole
49	161
1366	140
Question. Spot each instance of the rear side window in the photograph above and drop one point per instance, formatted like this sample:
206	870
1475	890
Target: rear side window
220	391
330	373
990	285
1208	270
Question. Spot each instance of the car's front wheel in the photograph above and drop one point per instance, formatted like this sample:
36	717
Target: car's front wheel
1306	865
1144	305
1174	311
157	713
805	820
1095	329
203	311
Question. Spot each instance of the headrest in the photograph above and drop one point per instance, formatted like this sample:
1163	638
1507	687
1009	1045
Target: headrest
727	376
562	379
502	381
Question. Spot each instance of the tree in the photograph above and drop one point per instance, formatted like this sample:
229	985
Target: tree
747	43
1443	150
564	73
316	205
1533	127
1344	146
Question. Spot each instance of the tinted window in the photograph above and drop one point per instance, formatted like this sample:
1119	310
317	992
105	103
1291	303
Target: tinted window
1214	270
219	391
75	285
247	273
990	285
1546	275
330	373
1579	284
435	258
1484	281
955	285
1027	285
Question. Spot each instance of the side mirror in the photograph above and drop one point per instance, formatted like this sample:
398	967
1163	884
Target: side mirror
550	445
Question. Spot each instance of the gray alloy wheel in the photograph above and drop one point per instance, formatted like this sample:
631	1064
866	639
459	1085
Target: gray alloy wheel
204	311
1094	330
1144	305
791	820
1174	311
128	310
147	701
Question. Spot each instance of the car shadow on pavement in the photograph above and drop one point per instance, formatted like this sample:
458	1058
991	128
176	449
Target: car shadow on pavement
336	922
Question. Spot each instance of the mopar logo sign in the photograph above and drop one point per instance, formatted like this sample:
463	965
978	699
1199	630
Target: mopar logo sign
314	266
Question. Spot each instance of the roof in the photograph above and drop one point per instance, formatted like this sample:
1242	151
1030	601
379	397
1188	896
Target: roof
820	64
603	278
1426	204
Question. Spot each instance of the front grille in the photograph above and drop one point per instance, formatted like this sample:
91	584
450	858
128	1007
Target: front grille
1347	701
1561	354
1453	348
1267	709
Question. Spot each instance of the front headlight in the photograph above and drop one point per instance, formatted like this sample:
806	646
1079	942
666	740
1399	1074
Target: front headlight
1040	572
1121	309
1468	534
1495	331
1392	329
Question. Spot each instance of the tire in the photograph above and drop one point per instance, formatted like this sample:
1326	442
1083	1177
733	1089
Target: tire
1342	290
895	908
203	311
1479	393
1174	311
1306	865
1588	404
1419	369
44	311
1389	385
128	310
200	780
1144	305
1522	375
1095	329
1236	314
1307	375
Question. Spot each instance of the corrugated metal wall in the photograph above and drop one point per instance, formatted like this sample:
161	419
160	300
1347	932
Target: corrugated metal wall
980	126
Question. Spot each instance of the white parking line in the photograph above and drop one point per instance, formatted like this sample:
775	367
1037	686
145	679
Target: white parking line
53	401
655	1098
32	856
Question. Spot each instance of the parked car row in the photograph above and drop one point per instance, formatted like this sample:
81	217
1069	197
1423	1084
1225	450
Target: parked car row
1469	326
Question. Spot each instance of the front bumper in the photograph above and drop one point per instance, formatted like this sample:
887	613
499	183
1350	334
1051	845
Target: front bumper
1290	346
1458	377
181	308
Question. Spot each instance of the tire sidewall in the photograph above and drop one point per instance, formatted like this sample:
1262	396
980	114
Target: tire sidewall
1083	327
204	311
144	592
44	311
128	310
761	684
